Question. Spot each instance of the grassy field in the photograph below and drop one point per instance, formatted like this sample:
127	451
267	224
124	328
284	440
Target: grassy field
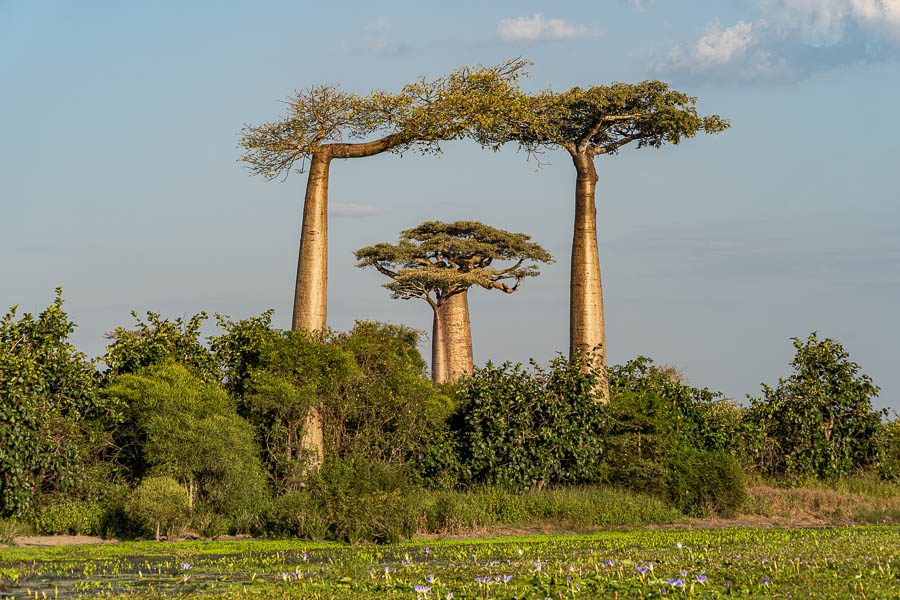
844	562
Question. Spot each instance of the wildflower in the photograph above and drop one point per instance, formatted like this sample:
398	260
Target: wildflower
675	581
679	545
503	578
449	596
422	589
184	565
571	567
285	576
700	578
430	579
427	550
683	573
641	570
610	563
537	566
766	580
520	551
304	557
484	580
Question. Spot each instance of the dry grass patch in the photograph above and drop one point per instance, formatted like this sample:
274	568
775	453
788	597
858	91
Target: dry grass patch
829	506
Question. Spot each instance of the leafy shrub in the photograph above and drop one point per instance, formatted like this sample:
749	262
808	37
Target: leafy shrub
74	518
158	341
177	425
348	501
526	429
160	504
48	404
819	420
703	483
889	445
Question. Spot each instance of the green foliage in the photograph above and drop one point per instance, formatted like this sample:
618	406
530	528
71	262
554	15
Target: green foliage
49	408
178	425
889	443
297	373
601	119
351	501
448	258
526	429
160	504
324	119
158	340
384	410
68	517
819	420
703	483
237	350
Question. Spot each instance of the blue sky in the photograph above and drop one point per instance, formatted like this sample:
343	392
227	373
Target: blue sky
120	182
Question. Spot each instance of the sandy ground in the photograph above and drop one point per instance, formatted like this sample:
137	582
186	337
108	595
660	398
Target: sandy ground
755	522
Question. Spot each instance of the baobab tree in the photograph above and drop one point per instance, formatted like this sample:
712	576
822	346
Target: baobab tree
588	123
325	123
438	262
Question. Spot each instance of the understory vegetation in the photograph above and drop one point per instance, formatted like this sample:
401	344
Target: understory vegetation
170	433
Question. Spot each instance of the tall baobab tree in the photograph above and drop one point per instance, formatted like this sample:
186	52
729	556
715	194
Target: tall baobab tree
438	262
325	123
588	123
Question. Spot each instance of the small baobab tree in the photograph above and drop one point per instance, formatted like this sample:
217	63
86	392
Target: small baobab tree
438	262
588	123
325	123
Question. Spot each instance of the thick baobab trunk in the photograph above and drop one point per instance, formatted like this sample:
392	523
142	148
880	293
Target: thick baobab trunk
439	371
458	335
586	327
310	294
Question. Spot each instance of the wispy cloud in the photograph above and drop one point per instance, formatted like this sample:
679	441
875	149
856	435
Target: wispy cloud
357	210
790	40
531	29
377	40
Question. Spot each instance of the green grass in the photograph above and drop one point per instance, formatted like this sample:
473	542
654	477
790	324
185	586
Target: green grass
575	508
849	562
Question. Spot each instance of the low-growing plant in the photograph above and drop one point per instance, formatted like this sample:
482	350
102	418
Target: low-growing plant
160	504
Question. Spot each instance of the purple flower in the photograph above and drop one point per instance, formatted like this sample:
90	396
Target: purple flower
641	569
537	566
503	578
610	563
700	578
430	579
683	573
304	557
679	545
766	580
421	589
427	551
184	565
675	581
484	580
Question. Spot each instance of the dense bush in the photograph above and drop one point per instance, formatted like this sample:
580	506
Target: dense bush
530	428
352	501
819	421
68	517
160	504
177	425
701	483
50	414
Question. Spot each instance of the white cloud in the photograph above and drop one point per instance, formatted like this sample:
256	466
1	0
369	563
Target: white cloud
790	40
538	28
357	210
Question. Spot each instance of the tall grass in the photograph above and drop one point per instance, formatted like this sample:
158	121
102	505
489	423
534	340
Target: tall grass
572	507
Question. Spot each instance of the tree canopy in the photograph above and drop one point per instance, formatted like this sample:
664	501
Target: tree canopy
327	119
443	259
601	119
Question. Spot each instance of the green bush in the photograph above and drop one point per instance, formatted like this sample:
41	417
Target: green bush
524	429
820	420
351	501
160	504
704	483
70	518
49	408
177	425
